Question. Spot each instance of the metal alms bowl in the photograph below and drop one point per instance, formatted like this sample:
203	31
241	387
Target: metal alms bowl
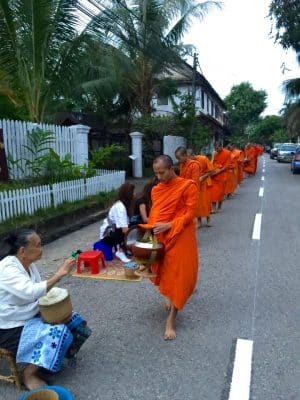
143	245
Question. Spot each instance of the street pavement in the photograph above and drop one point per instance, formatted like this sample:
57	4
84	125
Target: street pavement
247	289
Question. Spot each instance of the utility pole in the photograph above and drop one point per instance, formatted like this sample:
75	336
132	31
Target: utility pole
195	64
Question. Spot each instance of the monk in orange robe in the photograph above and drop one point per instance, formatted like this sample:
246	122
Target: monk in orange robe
232	172
220	160
189	169
241	167
172	219
250	161
206	170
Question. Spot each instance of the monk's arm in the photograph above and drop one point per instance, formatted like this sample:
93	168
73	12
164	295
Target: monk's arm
195	173
206	175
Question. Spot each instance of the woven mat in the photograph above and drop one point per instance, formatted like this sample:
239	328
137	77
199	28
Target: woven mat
114	271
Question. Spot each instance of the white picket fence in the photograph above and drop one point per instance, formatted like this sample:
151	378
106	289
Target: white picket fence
28	201
15	138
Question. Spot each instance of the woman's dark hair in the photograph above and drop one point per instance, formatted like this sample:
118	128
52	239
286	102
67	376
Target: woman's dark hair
125	195
18	239
146	194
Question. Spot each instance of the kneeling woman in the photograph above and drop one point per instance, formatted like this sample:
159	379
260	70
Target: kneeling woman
116	225
22	331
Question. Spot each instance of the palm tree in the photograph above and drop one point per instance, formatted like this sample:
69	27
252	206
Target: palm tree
40	51
144	41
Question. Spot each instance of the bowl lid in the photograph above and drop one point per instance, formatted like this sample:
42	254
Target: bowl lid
55	295
133	235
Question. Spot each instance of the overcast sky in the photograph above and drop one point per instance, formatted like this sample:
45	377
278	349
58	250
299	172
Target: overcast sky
234	45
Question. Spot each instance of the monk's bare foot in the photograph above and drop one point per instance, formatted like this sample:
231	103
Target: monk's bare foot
208	222
167	305
30	377
170	333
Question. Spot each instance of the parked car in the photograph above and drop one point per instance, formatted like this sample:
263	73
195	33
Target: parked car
295	164
274	150
286	152
267	148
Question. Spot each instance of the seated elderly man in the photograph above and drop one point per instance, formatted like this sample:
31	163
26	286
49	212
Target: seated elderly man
22	331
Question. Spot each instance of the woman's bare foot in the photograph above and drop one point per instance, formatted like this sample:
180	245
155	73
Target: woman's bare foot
30	377
170	332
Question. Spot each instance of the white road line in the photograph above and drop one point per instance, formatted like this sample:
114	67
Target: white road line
261	192
263	170
241	375
262	178
256	227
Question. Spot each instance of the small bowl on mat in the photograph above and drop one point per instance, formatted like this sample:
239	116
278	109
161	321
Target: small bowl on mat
129	269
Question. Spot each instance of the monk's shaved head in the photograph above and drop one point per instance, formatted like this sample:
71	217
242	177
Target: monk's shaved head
181	150
165	159
190	152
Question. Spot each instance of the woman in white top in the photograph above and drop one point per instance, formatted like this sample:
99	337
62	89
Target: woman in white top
116	225
20	288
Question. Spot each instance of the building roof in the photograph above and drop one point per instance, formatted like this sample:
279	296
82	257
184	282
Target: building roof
184	75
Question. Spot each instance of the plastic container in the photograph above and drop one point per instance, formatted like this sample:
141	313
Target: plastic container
105	248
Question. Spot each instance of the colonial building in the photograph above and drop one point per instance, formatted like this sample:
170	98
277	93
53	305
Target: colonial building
210	108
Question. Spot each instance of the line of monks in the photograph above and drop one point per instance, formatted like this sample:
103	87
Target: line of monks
218	175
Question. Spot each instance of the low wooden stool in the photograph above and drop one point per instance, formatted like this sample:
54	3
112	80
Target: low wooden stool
11	361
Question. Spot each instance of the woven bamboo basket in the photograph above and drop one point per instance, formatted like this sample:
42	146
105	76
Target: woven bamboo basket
58	312
42	394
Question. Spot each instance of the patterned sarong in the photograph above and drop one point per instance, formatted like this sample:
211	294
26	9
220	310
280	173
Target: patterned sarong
47	345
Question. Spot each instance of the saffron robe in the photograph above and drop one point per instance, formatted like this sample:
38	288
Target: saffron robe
221	159
204	208
240	166
250	165
191	170
232	173
176	201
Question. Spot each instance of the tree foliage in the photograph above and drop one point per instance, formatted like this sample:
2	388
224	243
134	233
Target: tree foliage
144	38
244	105
264	129
40	51
285	15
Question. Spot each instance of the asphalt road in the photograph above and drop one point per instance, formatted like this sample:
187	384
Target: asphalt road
248	289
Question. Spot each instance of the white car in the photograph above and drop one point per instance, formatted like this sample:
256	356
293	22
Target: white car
286	151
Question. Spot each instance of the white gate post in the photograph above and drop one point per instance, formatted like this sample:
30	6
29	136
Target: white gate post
81	155
170	144
136	156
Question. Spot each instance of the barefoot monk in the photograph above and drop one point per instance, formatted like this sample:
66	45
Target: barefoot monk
172	218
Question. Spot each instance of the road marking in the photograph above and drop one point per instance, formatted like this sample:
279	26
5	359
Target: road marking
263	170
261	192
241	375
262	178
256	227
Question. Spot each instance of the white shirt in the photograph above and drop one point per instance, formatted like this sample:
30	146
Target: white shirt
117	215
19	292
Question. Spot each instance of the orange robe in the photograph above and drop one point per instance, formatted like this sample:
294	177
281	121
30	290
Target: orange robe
191	170
204	208
241	166
231	182
217	191
176	201
250	154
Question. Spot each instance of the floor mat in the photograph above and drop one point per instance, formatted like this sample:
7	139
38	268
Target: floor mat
114	271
